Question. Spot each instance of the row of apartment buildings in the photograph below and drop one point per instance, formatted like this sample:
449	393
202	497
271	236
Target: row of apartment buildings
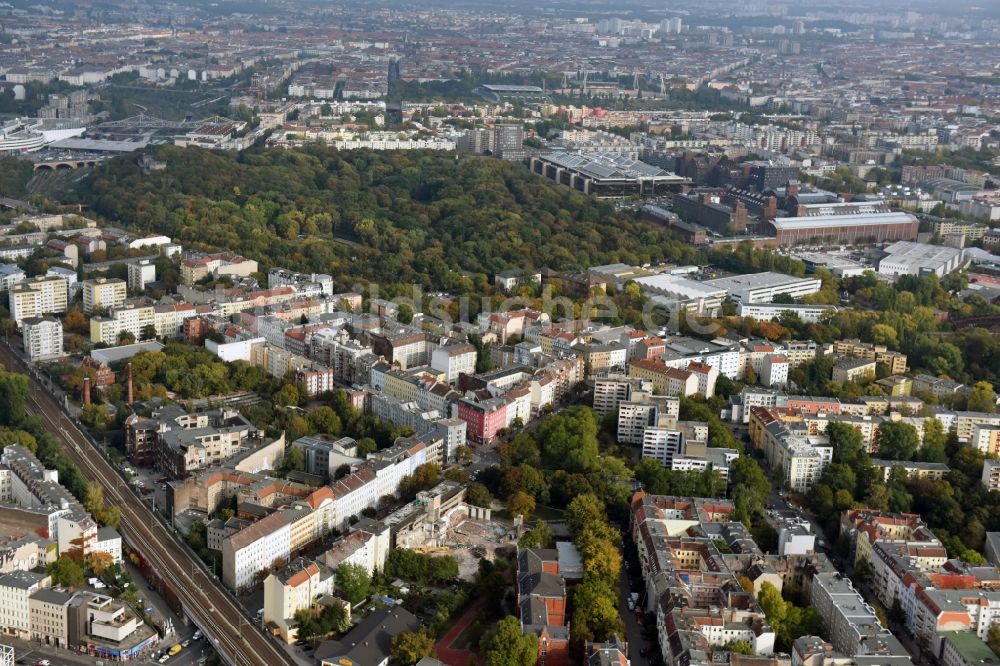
33	502
301	515
31	609
945	603
694	588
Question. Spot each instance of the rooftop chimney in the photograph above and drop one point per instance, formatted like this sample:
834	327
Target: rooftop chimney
130	395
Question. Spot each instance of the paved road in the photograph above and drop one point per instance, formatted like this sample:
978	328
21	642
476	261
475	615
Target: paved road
204	599
633	625
30	652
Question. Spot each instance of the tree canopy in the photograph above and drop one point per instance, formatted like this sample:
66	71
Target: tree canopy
393	217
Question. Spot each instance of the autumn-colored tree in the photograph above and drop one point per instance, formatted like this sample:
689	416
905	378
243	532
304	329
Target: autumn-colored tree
76	322
409	647
521	504
99	562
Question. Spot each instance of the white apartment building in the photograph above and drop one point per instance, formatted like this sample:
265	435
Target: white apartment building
706	375
68	274
633	419
367	547
774	371
453	360
140	274
654	411
543	391
991	474
985	438
802	458
378	477
15	612
611	391
103	293
109	541
132	317
739	410
10	275
662	444
295	587
851	623
38	296
43	338
255	548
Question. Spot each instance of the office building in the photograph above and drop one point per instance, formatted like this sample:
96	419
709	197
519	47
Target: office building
763	287
808	314
508	142
906	258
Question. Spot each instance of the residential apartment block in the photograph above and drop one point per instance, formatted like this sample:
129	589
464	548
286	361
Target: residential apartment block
38	296
103	294
43	338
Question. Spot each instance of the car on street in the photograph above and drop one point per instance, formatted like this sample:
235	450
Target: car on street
185	643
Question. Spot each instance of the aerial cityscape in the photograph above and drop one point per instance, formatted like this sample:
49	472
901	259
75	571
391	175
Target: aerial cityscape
572	333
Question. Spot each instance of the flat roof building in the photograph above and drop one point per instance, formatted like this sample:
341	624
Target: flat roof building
844	229
606	175
906	258
763	287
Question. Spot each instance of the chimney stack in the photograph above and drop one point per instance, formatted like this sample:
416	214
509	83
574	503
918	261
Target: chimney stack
130	395
86	390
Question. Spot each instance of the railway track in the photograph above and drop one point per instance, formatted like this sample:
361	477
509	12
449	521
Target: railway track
239	641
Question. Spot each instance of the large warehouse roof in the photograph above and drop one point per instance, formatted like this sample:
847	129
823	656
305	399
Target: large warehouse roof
826	221
604	165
